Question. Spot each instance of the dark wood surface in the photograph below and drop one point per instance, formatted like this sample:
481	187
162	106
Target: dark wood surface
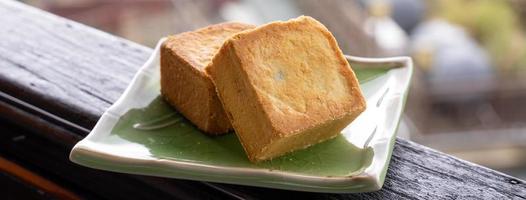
12	188
57	77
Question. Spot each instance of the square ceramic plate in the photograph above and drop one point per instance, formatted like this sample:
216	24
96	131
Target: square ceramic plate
141	134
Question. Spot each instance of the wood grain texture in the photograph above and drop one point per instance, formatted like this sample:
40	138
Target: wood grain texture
34	179
417	172
50	160
12	188
74	72
60	65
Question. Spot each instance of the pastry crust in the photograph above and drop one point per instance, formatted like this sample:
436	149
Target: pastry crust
285	86
184	83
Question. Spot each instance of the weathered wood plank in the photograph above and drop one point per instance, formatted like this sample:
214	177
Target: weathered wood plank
51	161
417	172
75	72
13	188
78	69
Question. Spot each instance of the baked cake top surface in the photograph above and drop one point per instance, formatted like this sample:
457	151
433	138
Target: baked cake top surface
299	73
198	47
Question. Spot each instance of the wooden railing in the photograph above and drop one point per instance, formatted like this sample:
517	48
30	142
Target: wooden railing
58	76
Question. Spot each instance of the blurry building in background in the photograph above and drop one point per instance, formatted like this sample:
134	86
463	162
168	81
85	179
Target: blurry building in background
469	90
142	21
145	21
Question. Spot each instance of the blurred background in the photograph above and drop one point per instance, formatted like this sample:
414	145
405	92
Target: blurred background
468	96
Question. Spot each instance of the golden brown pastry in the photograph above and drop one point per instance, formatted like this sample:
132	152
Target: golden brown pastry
184	83
285	86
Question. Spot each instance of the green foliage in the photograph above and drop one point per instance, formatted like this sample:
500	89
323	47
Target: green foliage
494	24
